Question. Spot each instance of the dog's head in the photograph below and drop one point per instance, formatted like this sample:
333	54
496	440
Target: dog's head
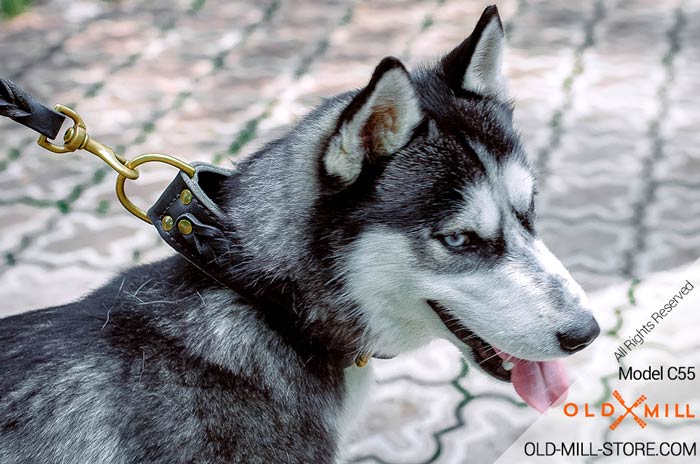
427	178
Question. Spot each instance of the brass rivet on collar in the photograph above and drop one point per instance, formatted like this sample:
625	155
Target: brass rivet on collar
184	226
186	197
167	223
363	359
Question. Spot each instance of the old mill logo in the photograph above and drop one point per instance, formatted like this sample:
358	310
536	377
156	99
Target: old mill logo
638	410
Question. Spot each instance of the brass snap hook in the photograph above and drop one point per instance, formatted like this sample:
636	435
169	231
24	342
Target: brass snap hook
136	162
77	138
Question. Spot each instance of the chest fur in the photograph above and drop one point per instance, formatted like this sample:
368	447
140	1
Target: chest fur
358	382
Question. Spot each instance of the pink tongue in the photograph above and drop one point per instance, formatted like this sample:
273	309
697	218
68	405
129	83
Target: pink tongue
539	383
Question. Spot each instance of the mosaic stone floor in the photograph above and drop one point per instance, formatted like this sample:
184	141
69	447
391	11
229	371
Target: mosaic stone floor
607	99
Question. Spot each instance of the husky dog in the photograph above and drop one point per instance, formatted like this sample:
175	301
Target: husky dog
388	217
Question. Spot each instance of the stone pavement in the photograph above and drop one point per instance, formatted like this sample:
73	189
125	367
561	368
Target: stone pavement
607	99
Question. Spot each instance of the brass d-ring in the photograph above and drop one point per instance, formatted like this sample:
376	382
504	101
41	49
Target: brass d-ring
139	160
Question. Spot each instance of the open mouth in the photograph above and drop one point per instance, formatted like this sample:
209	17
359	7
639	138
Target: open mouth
540	383
484	354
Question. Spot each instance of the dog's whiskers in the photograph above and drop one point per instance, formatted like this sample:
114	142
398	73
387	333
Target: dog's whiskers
486	359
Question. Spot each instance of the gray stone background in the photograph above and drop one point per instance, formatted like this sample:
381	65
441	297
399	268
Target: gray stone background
607	100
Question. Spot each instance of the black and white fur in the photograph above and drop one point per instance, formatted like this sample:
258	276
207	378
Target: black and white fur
379	207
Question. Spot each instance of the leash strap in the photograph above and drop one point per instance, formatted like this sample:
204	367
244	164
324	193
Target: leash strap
21	107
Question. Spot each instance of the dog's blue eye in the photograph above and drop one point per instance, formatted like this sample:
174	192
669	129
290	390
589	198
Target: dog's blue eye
455	240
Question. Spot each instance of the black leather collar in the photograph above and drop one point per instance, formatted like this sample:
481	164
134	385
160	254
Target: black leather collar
188	218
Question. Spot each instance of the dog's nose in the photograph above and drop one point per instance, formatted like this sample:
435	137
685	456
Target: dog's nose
579	338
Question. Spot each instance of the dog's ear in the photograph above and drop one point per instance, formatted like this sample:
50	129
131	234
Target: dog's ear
475	65
378	122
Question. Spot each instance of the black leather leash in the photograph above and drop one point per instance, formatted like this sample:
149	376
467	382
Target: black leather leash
19	106
186	215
